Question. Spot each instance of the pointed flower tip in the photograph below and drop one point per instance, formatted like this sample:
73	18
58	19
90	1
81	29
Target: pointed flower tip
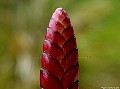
59	20
61	10
59	14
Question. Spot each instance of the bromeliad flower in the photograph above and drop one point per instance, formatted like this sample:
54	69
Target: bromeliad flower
59	62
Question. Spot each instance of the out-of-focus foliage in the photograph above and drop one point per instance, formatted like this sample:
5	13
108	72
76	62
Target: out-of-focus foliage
22	28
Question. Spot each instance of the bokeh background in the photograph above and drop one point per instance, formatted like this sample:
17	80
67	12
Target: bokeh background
23	25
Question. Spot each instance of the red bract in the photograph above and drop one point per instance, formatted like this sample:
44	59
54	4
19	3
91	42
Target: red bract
59	62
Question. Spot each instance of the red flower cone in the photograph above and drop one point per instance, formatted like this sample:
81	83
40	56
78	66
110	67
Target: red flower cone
59	61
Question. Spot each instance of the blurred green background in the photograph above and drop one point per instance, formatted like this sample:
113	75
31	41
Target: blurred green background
23	25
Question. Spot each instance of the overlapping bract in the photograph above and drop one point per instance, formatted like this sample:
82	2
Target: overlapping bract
59	62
